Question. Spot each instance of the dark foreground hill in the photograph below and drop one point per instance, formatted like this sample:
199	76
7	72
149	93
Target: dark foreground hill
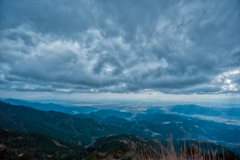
130	147
20	145
28	145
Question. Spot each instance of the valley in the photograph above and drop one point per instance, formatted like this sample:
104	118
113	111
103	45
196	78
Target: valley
84	129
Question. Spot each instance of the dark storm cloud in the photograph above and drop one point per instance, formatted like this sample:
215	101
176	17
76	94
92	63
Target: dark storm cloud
107	59
15	36
179	47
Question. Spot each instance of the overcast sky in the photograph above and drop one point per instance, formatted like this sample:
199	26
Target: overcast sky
121	47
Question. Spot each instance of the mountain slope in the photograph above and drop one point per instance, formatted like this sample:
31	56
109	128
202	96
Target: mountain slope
133	147
56	124
108	112
27	145
165	124
85	130
115	120
234	112
92	116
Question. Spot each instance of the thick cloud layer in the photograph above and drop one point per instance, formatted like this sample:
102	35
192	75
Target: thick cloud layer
177	47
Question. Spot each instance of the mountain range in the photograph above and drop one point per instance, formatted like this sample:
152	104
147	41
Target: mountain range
84	129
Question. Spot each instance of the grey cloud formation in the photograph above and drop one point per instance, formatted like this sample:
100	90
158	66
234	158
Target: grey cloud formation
179	47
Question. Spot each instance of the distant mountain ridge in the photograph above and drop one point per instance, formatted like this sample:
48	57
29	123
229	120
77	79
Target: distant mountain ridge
194	109
51	106
101	115
235	112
